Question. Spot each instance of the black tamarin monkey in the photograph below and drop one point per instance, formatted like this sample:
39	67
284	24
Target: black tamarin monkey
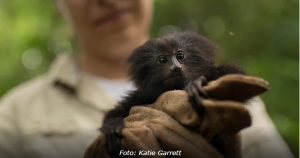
160	65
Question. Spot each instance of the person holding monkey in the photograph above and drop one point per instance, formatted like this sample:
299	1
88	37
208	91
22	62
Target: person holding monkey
58	114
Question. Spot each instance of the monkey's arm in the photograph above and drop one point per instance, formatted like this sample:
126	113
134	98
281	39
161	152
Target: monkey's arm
195	87
114	118
113	122
220	70
111	128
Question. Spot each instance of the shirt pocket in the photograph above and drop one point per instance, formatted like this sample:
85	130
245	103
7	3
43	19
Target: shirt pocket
53	139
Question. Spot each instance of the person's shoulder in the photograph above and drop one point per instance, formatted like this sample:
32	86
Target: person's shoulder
27	90
41	87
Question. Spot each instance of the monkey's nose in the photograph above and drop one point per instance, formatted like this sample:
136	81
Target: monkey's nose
175	67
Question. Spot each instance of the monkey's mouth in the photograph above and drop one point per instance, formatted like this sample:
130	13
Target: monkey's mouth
174	82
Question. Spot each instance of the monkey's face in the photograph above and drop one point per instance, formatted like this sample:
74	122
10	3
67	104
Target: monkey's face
171	66
171	62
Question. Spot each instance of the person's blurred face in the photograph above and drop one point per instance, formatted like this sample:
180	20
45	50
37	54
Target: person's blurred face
114	27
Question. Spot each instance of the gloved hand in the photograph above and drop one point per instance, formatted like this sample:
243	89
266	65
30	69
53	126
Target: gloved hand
223	114
150	129
161	126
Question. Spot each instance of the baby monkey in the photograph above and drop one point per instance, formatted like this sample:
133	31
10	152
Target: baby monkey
168	63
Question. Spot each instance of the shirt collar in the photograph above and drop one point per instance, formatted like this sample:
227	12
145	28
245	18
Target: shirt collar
65	71
66	75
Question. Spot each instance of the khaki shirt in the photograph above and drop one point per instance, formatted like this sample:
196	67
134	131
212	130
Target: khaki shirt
58	115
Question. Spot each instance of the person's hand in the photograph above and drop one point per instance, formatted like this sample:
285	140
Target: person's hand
150	129
153	127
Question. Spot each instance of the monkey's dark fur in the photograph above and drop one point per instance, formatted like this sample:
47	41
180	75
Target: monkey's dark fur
160	65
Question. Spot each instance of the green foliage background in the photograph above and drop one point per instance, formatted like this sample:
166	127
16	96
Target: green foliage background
260	35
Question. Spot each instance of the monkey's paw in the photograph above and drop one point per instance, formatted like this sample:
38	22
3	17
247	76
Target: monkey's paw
196	93
113	140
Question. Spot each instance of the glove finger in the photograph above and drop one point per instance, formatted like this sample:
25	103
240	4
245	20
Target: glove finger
226	117
143	109
176	104
195	146
236	87
138	139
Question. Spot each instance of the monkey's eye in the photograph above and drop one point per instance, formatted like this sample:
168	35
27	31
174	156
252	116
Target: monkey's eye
180	56
162	59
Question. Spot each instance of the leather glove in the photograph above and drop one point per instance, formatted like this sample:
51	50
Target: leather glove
150	129
223	114
223	107
161	127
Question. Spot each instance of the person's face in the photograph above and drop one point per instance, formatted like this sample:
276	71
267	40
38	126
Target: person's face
110	25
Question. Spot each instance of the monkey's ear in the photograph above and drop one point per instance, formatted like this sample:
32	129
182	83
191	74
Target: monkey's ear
139	63
206	48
